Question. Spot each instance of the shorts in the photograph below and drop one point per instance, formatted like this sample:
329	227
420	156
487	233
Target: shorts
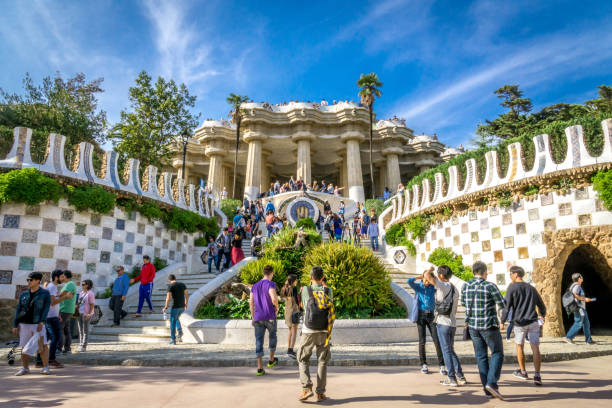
521	331
27	331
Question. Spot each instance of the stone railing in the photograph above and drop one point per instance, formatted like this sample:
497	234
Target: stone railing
420	198
168	189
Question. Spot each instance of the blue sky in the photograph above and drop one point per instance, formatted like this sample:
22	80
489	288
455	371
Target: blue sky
439	60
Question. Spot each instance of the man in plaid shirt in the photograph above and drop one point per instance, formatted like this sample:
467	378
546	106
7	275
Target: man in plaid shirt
481	300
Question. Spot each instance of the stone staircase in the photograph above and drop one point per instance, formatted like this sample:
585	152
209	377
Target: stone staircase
152	328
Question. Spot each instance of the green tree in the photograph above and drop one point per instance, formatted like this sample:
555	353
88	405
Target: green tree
604	102
159	115
65	106
509	124
369	85
236	115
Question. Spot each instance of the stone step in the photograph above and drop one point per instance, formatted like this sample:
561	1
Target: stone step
146	330
140	322
128	338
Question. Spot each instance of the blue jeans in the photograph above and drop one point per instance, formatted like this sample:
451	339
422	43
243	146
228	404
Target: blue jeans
260	332
144	293
374	243
212	260
483	340
446	335
54	333
175	324
580	322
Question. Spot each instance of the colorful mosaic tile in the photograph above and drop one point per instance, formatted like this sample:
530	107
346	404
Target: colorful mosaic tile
90	268
104	257
67	215
476	258
6	277
427	246
493	211
129	237
456	240
495	232
107	233
149	240
184	258
546	199
433	235
423	256
584	219
565	209
127	260
26	263
172	254
157	252
33	210
498	256
466	249
93	243
118	247
484	224
474	237
599	205
473	216
440	245
77	254
120	224
179	246
62	264
158	232
80	229
523	253
508	242
550	224
11	221
447	232
165	244
19	289
46	251
486	246
518	205
64	240
455	220
533	214
521	228
139	250
132	215
500	279
141	228
490	267
464	228
173	235
535	239
582	193
29	236
48	225
8	248
506	219
96	219
185	238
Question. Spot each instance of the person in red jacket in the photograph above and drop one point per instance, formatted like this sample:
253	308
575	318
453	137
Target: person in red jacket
146	277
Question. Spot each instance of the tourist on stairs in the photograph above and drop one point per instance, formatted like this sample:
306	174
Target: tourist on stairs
524	299
146	277
120	290
263	304
373	233
180	298
237	253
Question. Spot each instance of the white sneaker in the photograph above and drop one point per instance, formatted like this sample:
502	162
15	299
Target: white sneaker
443	370
22	371
425	369
46	371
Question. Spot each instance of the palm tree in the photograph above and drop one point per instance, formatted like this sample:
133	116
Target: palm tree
369	84
235	101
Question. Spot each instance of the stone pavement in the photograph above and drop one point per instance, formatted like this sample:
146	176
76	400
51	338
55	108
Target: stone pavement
214	355
578	383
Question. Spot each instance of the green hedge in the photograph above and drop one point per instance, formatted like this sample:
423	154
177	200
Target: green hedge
306	223
93	198
28	186
444	256
281	247
378	205
228	207
602	183
253	271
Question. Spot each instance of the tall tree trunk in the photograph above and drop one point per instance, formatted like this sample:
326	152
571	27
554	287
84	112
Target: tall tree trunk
236	156
184	156
371	164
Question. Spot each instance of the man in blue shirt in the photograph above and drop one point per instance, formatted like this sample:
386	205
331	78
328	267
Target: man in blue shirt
120	290
425	291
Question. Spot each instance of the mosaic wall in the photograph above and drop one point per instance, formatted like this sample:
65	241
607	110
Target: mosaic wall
46	237
501	237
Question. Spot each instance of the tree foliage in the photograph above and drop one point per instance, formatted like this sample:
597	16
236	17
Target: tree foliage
159	113
602	183
369	89
444	256
236	116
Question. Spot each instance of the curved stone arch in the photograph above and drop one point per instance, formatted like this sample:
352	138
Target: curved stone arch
548	272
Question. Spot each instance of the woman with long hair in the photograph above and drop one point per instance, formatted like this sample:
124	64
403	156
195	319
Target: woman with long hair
289	292
86	303
237	253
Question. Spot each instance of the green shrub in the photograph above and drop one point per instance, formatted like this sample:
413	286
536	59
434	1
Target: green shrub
504	198
395	234
159	264
152	211
444	256
281	247
228	207
531	190
93	198
28	186
357	277
201	242
418	226
253	271
602	183
378	205
210	311
409	246
234	309
306	223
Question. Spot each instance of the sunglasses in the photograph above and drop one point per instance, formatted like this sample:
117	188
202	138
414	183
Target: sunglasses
29	280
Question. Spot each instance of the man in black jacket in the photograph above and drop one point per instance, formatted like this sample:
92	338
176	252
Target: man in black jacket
30	319
524	299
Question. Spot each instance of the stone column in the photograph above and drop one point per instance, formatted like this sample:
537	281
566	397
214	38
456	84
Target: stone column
382	180
303	137
353	165
215	169
252	180
393	171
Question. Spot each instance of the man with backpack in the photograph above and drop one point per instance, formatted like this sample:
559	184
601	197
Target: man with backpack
224	244
317	300
263	303
577	307
447	299
523	299
257	244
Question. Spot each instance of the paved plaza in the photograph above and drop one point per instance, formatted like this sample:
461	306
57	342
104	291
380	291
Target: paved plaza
576	383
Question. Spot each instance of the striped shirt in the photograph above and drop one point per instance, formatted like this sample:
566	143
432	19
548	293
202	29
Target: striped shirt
479	297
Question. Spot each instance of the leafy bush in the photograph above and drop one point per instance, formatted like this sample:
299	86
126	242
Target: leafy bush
306	223
93	198
602	183
357	277
159	264
234	309
228	206
443	256
253	271
281	247
201	242
378	205
531	190
410	247
28	186
152	211
504	198
395	234
418	225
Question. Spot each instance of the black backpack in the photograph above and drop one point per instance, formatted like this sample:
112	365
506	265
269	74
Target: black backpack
569	301
315	318
445	307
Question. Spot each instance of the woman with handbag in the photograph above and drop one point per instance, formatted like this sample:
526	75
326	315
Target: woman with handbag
85	307
289	292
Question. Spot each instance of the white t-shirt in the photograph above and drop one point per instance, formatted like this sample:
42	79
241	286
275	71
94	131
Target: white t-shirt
53	310
442	290
577	290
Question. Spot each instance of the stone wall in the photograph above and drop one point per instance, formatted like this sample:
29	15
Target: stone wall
56	236
7	313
